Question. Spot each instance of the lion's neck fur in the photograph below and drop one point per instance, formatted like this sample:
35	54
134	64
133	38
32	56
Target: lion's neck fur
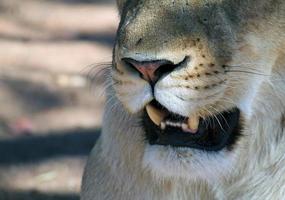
260	170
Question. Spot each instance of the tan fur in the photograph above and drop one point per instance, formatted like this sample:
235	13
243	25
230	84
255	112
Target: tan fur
219	36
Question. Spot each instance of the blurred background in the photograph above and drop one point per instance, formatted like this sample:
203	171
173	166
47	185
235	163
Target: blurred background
50	114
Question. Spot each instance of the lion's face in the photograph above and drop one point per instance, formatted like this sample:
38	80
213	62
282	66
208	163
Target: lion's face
192	70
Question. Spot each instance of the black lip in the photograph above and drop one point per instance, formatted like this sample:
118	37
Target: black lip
214	133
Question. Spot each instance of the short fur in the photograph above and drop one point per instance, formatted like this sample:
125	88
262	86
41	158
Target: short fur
237	59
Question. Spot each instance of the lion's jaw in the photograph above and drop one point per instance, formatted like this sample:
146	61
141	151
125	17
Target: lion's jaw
208	84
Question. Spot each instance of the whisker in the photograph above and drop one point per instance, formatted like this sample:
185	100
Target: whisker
248	68
96	73
208	120
245	63
247	72
214	115
229	100
220	113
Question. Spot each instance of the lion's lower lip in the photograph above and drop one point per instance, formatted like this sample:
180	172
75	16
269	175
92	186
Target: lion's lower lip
212	134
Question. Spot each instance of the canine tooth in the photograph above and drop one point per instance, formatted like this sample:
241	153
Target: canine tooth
155	114
184	127
162	125
193	123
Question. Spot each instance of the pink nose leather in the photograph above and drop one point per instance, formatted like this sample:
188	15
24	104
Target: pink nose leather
147	70
153	70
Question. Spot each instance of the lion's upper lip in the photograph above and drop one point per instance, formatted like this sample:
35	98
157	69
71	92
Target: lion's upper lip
212	133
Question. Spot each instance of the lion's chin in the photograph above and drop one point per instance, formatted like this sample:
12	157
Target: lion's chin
180	147
166	162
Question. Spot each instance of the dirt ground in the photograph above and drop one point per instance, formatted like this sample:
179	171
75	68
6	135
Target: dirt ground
50	112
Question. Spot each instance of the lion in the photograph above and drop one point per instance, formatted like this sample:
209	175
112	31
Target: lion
195	103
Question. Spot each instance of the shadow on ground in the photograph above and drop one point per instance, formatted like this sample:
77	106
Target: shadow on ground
30	149
34	195
35	96
34	149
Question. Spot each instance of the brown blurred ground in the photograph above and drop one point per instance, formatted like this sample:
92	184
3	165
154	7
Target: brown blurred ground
49	115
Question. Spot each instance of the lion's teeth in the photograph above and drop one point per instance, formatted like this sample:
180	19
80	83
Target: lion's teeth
155	114
193	123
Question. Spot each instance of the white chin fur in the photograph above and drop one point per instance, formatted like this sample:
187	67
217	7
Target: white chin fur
192	164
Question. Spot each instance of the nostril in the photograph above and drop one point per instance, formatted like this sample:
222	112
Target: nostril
167	68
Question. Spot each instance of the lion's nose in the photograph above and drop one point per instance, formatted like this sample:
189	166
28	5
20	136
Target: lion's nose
151	70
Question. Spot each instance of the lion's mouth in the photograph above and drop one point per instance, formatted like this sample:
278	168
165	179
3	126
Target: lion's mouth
212	133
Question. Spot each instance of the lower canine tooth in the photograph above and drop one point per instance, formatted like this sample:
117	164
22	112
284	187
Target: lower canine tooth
193	123
155	114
